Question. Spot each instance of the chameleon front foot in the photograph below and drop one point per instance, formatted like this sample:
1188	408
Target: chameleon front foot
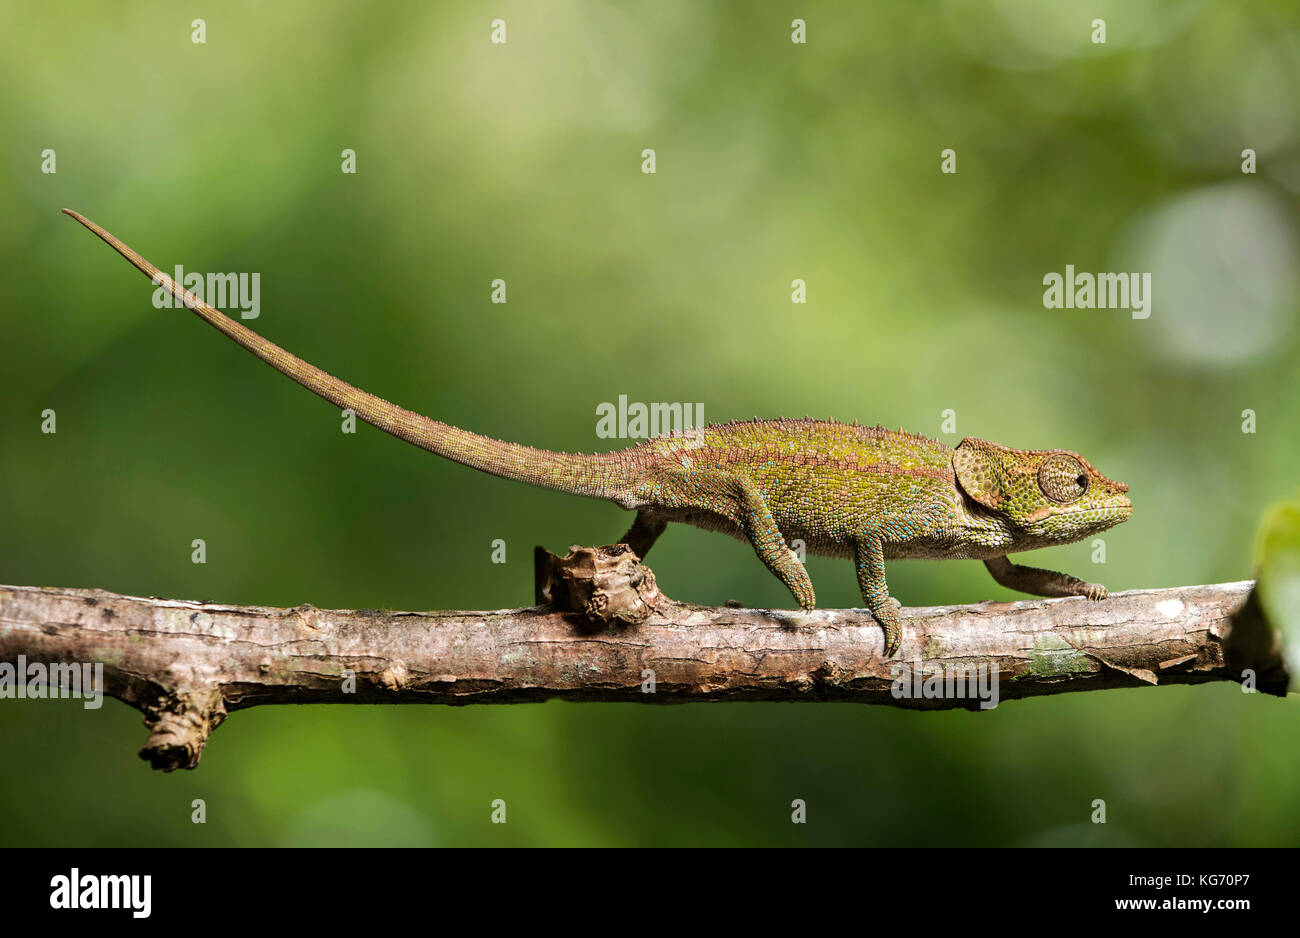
890	619
869	558
1040	582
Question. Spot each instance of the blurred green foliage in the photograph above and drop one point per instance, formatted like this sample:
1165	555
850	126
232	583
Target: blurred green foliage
1279	575
522	161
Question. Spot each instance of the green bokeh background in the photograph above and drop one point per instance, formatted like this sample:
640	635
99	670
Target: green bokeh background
522	161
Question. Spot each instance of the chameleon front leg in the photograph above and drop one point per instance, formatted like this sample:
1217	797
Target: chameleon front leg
644	532
1041	582
869	558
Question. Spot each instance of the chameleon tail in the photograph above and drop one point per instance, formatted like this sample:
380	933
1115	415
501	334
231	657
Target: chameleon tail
596	476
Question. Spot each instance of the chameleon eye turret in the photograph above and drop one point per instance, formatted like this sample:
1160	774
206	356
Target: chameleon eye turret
1062	478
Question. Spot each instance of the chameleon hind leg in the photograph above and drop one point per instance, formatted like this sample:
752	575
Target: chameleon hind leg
869	558
760	529
644	532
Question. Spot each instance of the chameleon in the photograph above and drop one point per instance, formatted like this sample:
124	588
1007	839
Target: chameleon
846	490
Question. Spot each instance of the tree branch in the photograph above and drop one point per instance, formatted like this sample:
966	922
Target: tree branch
186	665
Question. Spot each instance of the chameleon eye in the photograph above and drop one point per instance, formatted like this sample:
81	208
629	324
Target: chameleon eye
1062	478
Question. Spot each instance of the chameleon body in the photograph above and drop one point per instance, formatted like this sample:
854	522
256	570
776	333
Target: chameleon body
865	493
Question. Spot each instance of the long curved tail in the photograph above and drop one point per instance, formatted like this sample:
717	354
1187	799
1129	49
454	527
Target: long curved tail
596	476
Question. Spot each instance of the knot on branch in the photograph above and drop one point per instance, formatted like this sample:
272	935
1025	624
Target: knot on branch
180	723
603	585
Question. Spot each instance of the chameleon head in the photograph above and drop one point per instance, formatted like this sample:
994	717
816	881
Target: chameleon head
1045	496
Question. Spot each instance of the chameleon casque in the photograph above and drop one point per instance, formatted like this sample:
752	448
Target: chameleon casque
865	493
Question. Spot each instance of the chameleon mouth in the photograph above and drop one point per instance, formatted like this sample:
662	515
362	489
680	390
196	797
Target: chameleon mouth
1107	516
1112	513
1125	507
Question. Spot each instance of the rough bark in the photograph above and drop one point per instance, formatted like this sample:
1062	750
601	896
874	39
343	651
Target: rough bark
186	665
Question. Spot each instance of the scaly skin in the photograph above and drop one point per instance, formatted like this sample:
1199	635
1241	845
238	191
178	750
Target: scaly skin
866	493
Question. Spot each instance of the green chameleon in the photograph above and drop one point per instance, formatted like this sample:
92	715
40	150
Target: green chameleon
865	493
